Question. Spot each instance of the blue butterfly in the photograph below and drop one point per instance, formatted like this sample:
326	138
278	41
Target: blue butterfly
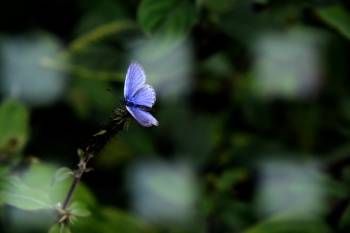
139	97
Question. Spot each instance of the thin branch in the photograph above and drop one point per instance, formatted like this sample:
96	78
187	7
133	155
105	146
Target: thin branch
94	145
100	33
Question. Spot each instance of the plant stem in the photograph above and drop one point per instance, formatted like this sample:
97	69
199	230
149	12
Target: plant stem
94	145
70	192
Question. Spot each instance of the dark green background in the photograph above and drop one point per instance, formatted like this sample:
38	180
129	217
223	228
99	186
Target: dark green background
214	115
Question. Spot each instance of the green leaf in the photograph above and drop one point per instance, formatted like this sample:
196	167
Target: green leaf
14	118
169	17
36	190
4	173
39	176
20	195
79	210
287	223
109	220
219	5
337	17
32	191
59	228
231	177
62	174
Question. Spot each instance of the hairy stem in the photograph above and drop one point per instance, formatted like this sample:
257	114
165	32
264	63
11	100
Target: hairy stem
93	146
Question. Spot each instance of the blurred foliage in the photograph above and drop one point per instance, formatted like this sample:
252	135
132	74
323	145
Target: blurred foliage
170	18
252	99
337	17
14	126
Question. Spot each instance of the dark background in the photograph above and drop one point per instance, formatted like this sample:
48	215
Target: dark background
253	105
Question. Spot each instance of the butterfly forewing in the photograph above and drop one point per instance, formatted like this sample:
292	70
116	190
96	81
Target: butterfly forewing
134	81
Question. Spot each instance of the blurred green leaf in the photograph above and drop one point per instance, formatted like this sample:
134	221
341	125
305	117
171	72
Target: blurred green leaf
62	174
108	220
79	210
35	189
19	194
85	196
59	228
4	173
168	17
337	17
24	59
231	177
245	24
100	12
289	224
14	129
219	5
39	175
32	191
124	221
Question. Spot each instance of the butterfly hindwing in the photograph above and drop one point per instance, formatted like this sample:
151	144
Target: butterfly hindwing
134	81
144	118
146	96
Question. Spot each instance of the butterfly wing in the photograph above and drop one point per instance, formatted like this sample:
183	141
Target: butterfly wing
135	79
138	92
144	118
145	96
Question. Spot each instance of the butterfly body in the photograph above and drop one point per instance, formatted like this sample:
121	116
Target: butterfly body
139	97
132	104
